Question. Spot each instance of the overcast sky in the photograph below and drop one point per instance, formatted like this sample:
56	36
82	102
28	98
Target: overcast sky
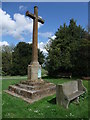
16	27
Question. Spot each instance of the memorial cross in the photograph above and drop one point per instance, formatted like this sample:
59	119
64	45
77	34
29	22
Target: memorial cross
36	19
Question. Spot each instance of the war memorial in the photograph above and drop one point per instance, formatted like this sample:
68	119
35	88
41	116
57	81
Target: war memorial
35	87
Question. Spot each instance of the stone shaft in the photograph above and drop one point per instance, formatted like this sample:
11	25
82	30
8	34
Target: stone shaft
35	37
36	19
34	67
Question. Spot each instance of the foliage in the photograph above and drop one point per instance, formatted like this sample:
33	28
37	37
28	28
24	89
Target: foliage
81	64
68	51
6	59
21	57
15	62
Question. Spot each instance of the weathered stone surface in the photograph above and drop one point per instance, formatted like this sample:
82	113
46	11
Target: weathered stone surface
34	66
33	91
33	72
69	91
34	87
41	82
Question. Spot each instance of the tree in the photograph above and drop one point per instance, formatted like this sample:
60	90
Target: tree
7	59
66	51
41	57
22	56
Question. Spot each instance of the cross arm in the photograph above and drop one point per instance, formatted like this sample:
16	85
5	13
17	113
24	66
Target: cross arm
34	16
40	20
30	15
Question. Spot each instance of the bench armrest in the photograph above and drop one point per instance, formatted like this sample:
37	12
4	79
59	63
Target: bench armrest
81	86
60	93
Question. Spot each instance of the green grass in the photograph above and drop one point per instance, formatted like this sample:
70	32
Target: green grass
13	107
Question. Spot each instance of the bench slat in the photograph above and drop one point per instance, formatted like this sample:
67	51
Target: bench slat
75	95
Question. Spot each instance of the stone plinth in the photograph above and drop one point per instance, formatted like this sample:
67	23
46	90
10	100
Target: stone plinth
33	69
32	91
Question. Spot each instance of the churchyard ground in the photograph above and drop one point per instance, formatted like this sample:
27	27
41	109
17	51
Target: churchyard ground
13	107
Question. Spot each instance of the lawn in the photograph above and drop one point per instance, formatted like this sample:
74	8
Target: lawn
13	107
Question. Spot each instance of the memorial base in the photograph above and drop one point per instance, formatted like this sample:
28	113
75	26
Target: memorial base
32	91
34	88
34	71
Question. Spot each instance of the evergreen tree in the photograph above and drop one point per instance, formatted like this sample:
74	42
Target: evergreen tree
68	51
21	58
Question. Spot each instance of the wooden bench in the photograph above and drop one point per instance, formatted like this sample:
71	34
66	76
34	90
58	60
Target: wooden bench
65	75
69	91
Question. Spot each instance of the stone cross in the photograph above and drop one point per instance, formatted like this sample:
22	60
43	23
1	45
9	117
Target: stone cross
34	67
36	19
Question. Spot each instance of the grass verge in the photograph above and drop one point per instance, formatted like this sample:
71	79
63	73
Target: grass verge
13	107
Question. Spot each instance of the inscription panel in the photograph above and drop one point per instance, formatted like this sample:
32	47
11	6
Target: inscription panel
39	73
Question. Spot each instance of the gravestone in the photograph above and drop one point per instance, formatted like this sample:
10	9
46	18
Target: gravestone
34	88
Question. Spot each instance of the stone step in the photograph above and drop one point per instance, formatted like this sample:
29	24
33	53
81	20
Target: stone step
32	94
33	83
21	91
35	87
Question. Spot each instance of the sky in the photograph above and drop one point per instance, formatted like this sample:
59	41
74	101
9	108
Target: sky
16	27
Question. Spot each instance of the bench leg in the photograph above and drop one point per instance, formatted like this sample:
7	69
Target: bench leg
76	100
65	104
